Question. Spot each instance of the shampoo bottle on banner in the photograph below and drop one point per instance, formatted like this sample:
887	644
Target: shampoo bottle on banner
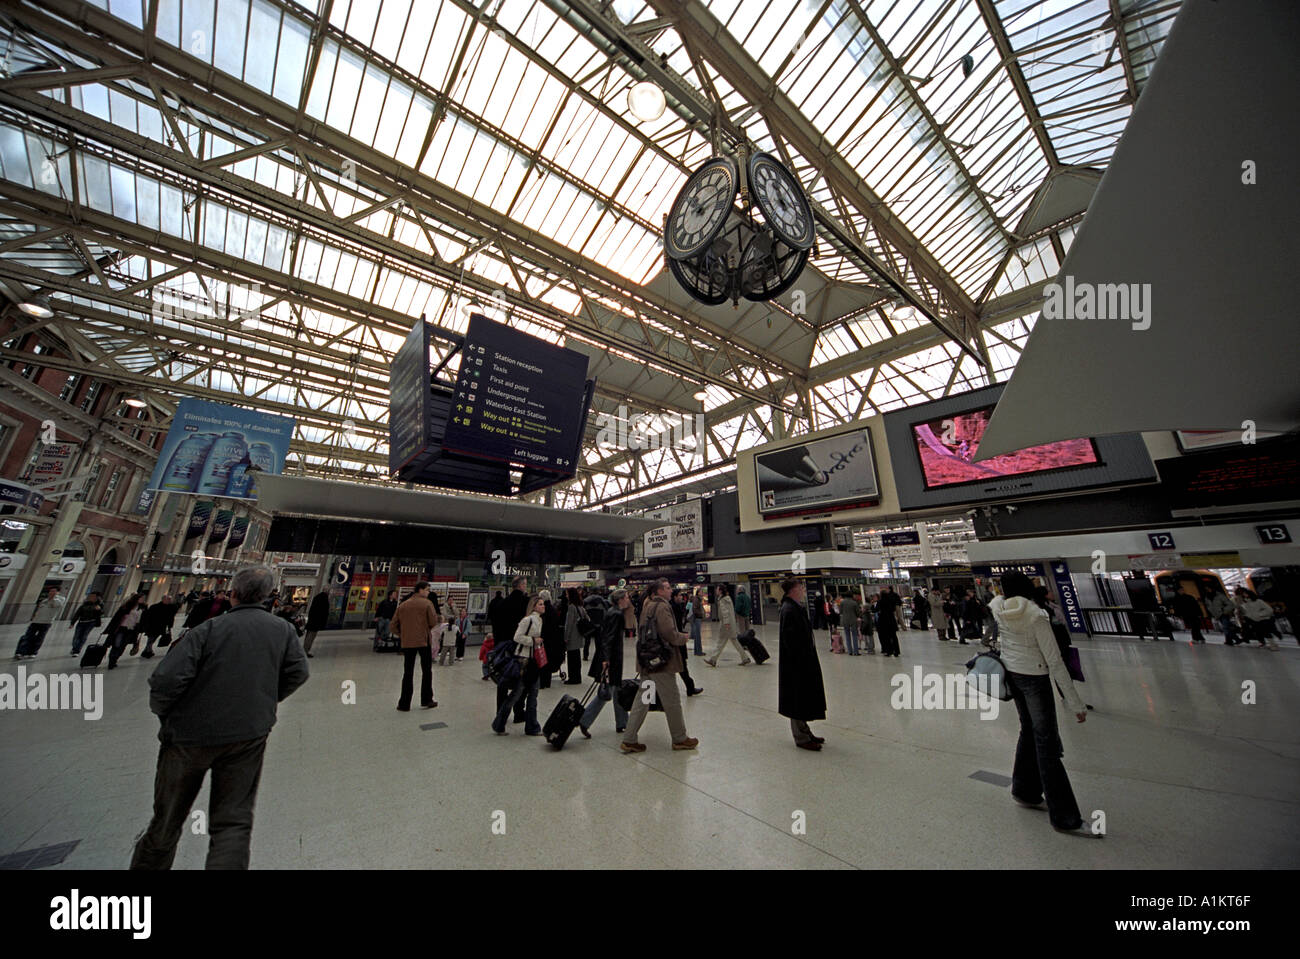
227	452
240	480
186	465
263	456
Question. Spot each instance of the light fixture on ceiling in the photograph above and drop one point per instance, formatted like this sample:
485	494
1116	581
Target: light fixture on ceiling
37	306
701	395
135	402
646	101
902	313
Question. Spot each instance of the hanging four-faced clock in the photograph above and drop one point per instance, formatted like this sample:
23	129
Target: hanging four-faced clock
718	251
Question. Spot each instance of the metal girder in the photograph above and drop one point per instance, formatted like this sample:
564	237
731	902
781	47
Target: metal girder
256	112
1121	42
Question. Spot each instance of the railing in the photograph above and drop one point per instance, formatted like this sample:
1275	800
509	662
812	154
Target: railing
1126	621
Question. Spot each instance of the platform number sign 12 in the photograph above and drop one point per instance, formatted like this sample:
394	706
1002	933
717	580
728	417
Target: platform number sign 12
1161	540
1273	533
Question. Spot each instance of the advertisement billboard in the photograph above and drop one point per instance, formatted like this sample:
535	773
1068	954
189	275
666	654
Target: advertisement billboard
238	531
683	532
215	450
834	472
52	464
946	446
932	448
221	526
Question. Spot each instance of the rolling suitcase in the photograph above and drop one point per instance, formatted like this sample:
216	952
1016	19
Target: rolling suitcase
754	647
565	717
94	655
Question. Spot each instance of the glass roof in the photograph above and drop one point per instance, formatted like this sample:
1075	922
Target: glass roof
301	191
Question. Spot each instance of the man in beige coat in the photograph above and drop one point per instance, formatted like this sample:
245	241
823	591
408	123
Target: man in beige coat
727	628
664	680
413	624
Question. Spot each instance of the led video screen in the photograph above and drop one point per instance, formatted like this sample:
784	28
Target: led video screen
946	447
932	450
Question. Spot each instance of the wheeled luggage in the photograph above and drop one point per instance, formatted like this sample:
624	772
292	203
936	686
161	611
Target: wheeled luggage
754	647
565	717
94	655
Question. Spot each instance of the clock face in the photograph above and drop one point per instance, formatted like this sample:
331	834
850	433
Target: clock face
781	201
701	208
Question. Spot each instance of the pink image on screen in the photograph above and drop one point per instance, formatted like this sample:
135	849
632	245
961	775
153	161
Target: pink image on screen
947	445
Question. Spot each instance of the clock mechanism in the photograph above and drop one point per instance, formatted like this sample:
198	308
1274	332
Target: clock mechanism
718	250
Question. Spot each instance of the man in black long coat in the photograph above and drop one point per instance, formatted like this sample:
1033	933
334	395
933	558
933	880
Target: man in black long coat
887	620
802	696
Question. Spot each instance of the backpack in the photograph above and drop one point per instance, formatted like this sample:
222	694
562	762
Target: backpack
652	653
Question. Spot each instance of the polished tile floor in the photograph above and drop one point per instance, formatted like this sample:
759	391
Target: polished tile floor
1186	774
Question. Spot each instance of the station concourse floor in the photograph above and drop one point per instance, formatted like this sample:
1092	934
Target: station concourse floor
1186	774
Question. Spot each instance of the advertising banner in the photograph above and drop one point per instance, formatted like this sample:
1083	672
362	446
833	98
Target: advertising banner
215	450
199	518
834	472
238	532
683	534
221	526
1070	606
53	462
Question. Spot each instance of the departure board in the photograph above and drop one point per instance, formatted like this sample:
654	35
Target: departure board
518	399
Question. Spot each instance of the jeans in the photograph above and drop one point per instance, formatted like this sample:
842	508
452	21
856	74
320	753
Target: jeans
520	691
695	635
236	771
381	628
867	639
408	676
851	639
1039	772
1231	634
120	639
598	703
31	642
79	634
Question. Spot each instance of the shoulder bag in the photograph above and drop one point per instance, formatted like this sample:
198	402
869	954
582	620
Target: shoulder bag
988	674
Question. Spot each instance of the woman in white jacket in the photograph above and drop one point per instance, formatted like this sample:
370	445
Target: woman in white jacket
527	635
1033	662
727	629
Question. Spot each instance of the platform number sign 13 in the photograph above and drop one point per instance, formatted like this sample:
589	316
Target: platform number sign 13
1273	533
1161	540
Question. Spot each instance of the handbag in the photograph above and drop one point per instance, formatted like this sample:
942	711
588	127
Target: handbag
987	673
628	690
539	655
1072	664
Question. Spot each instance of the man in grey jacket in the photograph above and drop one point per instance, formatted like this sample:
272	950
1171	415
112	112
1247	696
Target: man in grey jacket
216	693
